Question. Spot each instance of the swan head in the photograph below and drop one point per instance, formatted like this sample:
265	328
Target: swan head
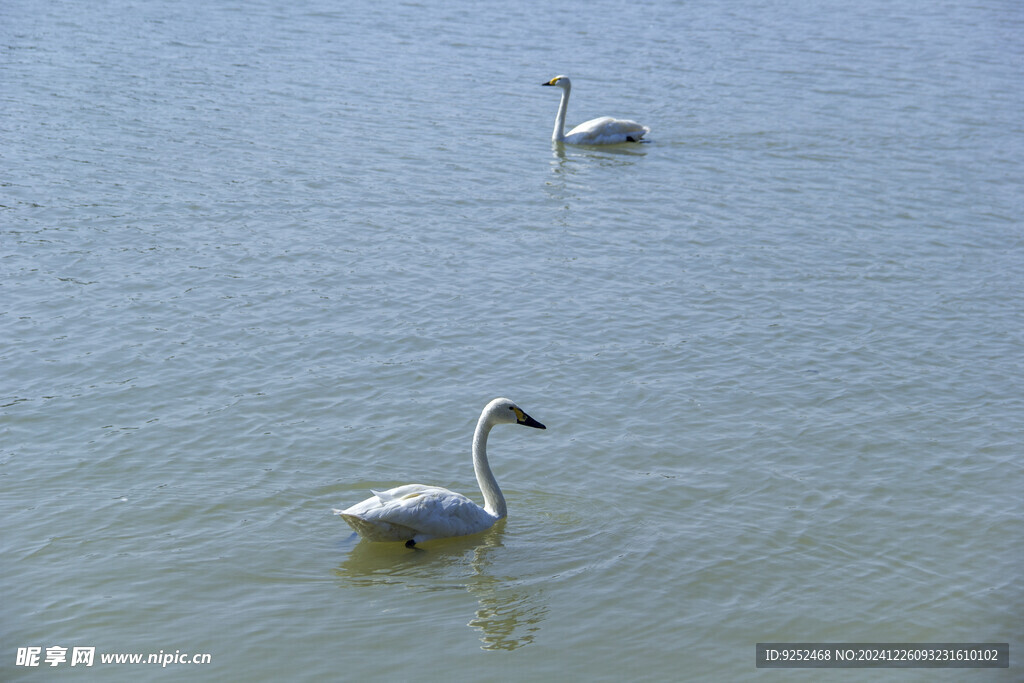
504	411
562	82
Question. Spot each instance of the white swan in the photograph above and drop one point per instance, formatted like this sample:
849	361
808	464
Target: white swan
414	513
600	131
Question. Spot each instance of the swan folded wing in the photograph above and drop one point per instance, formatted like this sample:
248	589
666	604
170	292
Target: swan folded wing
400	492
605	131
416	511
377	530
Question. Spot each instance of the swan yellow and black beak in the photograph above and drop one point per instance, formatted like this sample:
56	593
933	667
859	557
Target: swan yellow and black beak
553	81
524	419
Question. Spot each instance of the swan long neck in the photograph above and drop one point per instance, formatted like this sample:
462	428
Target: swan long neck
558	135
494	501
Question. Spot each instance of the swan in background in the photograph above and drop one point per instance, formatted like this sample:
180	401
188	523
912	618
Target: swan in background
415	513
601	131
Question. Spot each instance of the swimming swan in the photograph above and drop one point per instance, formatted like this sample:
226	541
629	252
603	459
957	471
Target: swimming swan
414	513
601	131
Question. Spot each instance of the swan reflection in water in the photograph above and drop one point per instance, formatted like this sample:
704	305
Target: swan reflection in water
508	614
570	165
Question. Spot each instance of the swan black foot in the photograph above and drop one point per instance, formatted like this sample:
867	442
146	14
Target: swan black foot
411	543
630	138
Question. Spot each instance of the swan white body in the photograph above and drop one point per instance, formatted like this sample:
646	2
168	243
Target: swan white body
601	131
415	513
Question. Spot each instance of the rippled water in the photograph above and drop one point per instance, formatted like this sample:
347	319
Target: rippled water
258	259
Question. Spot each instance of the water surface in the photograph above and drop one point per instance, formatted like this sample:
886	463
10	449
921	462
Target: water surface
258	259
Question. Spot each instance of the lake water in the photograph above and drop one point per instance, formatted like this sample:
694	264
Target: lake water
258	258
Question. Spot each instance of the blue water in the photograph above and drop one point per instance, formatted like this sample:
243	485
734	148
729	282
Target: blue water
258	259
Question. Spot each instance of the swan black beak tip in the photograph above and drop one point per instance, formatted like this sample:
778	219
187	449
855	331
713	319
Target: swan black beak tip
530	422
